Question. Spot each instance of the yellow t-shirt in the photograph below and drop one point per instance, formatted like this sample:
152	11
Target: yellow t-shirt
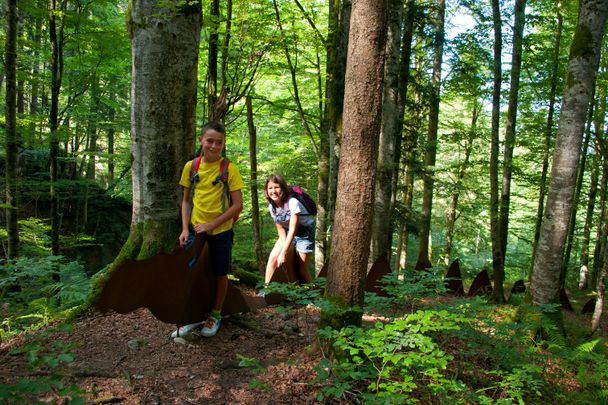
207	203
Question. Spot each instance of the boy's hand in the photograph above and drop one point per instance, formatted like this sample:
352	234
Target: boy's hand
183	238
206	227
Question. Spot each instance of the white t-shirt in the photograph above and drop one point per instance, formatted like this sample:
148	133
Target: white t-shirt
282	215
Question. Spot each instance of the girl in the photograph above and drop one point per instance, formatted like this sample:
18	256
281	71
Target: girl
293	222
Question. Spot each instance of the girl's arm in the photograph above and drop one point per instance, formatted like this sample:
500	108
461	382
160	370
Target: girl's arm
293	227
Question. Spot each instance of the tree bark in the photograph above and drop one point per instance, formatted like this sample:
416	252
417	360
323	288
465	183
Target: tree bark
577	192
548	130
331	123
392	123
601	281
56	39
582	67
10	62
591	197
424	258
163	108
505	196
449	234
602	232
356	177
497	253
255	206
212	57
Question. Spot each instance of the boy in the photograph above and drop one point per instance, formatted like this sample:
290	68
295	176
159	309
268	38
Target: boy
207	216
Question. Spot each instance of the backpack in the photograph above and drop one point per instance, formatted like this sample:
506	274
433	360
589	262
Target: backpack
222	177
304	198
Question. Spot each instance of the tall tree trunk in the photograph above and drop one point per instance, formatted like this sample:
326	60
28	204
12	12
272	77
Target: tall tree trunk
382	228
111	132
577	192
56	39
424	258
163	108
255	206
362	119
591	197
582	67
10	63
497	253
212	57
92	128
331	124
505	196
548	130
602	232
601	280
468	147
404	76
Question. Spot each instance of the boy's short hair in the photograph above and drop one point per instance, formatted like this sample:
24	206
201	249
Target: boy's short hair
216	126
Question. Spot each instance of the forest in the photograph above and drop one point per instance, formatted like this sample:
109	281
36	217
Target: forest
456	151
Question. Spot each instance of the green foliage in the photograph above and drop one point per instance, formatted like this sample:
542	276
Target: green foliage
406	290
250	362
384	362
37	290
51	359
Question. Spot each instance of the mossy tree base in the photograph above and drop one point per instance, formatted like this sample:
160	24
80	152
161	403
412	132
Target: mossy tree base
146	239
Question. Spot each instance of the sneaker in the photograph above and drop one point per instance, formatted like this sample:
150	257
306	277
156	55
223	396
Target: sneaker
211	327
184	330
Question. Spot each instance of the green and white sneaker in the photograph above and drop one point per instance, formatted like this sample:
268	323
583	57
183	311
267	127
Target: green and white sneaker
184	330
211	326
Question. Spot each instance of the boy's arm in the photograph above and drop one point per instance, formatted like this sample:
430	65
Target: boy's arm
183	237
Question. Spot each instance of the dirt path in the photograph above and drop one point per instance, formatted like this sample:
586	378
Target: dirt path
130	359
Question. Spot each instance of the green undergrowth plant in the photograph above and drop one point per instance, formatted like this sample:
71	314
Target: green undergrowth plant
393	362
405	291
48	359
36	290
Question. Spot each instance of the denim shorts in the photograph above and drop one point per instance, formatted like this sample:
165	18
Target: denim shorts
305	239
220	250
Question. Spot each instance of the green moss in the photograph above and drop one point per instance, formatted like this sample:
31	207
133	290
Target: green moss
340	315
582	43
247	277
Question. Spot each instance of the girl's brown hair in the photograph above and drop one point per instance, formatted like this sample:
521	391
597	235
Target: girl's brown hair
278	179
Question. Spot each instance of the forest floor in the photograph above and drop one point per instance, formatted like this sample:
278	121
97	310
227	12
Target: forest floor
262	357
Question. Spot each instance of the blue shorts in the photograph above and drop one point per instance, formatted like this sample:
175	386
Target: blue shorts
220	250
305	239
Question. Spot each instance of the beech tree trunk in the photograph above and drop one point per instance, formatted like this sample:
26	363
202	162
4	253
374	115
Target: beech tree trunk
591	197
497	253
505	196
601	281
449	234
424	256
392	118
602	232
10	63
163	107
548	131
56	39
582	67
356	177
331	124
255	206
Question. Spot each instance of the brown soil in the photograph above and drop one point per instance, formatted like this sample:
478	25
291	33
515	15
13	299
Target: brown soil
131	359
